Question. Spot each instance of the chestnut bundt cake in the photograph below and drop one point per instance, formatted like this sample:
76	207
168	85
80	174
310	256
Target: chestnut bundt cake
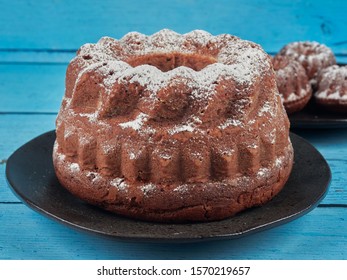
172	127
332	88
292	83
312	55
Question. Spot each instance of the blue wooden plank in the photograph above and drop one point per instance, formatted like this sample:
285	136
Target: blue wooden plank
16	130
31	87
6	195
321	234
68	24
36	57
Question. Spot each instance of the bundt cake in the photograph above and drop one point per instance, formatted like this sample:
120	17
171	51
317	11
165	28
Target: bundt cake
312	55
292	83
332	88
172	127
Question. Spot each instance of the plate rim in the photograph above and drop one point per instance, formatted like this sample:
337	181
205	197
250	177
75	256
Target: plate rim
176	239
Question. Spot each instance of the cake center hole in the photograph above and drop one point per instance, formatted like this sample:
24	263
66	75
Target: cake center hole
168	61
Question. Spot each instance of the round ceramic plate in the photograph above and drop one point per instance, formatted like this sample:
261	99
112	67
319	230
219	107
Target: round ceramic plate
31	176
313	116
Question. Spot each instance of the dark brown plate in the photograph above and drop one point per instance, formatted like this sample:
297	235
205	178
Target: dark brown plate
31	176
313	116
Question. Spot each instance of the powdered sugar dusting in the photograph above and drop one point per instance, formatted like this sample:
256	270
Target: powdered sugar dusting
74	167
307	50
182	189
291	97
272	136
202	83
230	122
182	128
108	148
61	157
278	162
336	95
146	189
97	52
92	117
267	108
227	151
263	172
94	176
199	38
312	55
165	156
252	146
135	124
119	183
237	60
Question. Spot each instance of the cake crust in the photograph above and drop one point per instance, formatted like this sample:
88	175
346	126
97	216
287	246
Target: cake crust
174	202
172	127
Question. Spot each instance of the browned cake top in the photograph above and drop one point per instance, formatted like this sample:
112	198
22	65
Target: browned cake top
188	80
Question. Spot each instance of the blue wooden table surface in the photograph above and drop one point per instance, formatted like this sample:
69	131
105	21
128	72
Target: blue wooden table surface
37	40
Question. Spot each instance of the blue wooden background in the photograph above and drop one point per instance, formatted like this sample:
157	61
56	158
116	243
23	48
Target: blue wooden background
37	40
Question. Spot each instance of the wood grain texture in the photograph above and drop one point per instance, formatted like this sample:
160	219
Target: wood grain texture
16	130
6	195
69	24
321	234
44	57
31	87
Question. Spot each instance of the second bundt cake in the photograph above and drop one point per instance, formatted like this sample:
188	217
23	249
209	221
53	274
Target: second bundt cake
292	83
313	56
172	127
332	89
